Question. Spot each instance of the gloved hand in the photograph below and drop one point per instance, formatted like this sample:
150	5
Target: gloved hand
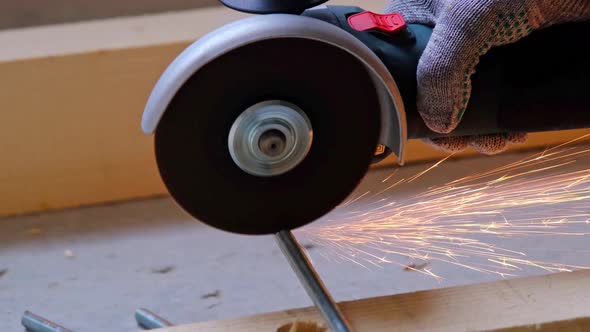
463	31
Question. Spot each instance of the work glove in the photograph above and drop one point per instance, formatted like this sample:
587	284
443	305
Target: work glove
463	31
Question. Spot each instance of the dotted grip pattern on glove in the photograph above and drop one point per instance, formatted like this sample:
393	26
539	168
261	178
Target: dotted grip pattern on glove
464	30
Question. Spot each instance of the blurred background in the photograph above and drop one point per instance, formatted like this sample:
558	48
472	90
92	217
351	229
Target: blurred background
19	14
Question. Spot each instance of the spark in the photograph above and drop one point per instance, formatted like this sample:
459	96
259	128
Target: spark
461	221
430	168
390	176
355	199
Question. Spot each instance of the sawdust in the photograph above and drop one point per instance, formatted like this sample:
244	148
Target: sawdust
34	231
416	266
163	270
216	294
69	254
299	326
211	306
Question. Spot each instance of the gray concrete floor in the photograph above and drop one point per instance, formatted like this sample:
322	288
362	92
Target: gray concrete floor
90	268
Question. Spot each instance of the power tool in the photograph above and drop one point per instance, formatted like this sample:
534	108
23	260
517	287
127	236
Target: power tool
270	122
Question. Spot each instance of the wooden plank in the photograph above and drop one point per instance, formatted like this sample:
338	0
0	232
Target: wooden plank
521	304
572	325
72	97
18	14
112	35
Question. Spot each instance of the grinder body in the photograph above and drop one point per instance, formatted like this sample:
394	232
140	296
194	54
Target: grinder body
270	122
541	83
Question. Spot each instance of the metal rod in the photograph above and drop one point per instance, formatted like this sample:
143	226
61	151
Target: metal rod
149	320
34	323
311	281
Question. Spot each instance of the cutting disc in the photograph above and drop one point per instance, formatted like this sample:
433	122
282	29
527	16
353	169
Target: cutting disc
328	84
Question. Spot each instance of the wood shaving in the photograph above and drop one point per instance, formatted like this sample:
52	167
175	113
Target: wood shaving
300	326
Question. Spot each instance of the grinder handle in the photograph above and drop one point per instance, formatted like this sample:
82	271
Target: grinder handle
540	83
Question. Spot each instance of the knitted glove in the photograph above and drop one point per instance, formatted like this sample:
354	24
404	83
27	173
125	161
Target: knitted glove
463	31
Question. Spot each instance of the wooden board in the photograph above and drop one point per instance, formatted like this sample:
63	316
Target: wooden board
572	325
71	99
541	303
17	13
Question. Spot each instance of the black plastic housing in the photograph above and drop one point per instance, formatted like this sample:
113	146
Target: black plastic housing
540	83
271	6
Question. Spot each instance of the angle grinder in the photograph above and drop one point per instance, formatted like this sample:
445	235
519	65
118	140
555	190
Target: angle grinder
270	122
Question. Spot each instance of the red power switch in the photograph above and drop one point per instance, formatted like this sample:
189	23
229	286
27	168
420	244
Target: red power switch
389	23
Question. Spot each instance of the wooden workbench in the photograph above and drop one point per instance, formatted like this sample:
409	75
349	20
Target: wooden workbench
557	302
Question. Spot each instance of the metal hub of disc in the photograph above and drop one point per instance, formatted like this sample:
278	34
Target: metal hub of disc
270	138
